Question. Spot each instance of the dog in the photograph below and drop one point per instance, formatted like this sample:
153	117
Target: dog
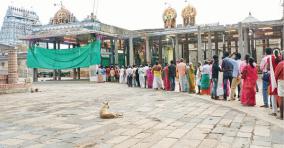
34	90
105	114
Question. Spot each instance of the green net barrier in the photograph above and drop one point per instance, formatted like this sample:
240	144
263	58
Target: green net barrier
79	57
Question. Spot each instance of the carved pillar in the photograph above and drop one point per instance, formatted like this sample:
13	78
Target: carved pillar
199	44
74	69
185	49
12	67
246	44
176	51
160	51
59	71
35	70
241	42
131	51
210	45
115	52
216	42
54	71
148	51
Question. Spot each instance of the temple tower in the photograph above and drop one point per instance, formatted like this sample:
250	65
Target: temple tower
17	22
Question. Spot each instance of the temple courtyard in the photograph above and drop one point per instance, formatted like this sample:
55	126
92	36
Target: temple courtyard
66	114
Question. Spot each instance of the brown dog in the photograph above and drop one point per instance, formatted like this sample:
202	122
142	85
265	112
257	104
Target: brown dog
105	114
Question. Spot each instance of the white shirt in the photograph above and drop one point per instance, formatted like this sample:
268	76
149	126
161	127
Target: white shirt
141	72
129	71
122	71
145	70
263	64
205	69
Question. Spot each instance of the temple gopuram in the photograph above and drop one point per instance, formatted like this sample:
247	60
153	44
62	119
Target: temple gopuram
192	41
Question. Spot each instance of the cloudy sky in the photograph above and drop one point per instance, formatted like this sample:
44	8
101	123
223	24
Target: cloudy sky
141	14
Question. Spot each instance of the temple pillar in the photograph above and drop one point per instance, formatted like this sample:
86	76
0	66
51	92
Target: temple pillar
176	50
216	43
185	49
35	70
54	71
229	44
12	67
59	71
115	52
131	52
148	51
241	43
160	51
263	47
78	73
267	43
210	45
224	43
74	69
246	44
199	44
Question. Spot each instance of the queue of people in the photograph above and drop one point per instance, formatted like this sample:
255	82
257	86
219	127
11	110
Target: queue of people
227	78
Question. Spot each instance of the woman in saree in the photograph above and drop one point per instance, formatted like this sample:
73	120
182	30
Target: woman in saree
191	78
166	79
205	79
150	77
249	84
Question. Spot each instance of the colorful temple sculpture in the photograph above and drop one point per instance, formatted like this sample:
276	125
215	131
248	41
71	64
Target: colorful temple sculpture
188	15
169	17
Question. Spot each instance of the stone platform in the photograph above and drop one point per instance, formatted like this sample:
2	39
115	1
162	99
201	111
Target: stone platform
14	88
66	114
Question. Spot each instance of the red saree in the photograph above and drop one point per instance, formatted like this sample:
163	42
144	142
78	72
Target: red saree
150	78
166	79
249	86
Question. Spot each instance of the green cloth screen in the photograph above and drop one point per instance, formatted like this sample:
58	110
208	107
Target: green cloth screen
65	58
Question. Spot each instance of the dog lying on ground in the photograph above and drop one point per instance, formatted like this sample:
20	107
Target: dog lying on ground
105	114
33	90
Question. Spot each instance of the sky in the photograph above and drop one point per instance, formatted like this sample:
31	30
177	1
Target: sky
146	14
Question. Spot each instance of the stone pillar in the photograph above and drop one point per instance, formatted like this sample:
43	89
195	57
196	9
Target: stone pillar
177	54
199	44
74	74
224	42
241	42
148	51
12	67
185	49
78	73
115	52
74	69
246	44
54	71
216	43
131	51
59	71
210	45
160	51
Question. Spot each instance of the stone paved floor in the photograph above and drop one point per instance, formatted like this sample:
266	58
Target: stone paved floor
65	114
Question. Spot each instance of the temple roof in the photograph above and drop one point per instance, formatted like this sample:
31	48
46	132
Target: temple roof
250	19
